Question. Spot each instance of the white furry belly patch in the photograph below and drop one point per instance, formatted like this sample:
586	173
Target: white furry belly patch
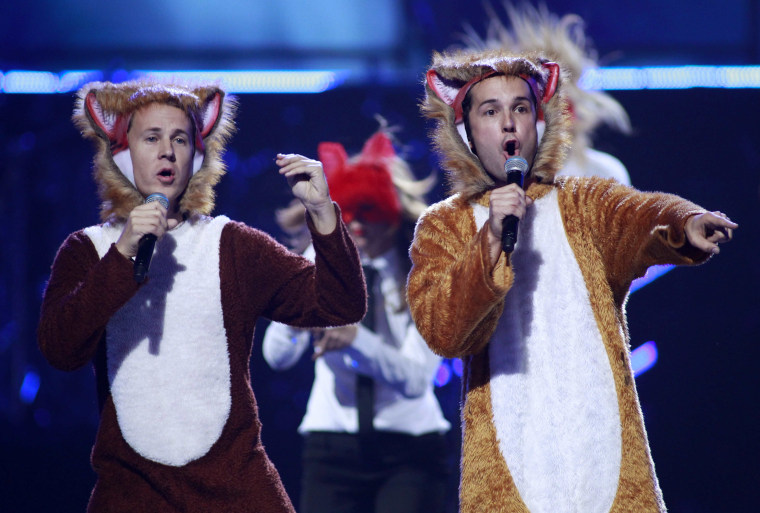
168	362
552	392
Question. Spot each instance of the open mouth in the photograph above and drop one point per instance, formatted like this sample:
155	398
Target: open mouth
166	174
511	147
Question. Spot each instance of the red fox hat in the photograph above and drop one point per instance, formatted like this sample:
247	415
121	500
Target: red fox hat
447	81
363	186
103	112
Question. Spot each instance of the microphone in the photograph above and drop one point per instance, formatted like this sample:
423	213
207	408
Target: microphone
515	169
147	243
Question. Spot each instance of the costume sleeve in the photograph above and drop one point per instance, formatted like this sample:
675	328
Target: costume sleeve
409	369
83	293
263	276
455	296
283	345
634	230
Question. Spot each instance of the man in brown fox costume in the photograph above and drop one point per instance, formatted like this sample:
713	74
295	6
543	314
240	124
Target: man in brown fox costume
550	413
179	428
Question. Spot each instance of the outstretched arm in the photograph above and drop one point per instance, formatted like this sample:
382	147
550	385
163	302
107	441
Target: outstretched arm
633	230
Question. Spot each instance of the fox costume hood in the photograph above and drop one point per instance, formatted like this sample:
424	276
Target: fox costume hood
102	114
447	82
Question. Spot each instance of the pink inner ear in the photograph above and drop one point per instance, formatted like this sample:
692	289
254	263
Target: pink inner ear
379	146
114	126
551	82
443	91
211	114
104	120
332	155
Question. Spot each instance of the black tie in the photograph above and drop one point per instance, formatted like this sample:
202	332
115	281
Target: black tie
365	393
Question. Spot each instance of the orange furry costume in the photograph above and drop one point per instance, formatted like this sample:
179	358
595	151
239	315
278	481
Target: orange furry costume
551	419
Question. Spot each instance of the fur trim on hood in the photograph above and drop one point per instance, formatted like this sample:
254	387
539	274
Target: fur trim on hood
449	72
102	114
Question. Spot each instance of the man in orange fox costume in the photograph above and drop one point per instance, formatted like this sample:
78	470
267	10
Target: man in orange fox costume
551	419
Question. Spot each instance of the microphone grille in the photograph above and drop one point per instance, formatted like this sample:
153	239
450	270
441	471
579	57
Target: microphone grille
516	164
157	196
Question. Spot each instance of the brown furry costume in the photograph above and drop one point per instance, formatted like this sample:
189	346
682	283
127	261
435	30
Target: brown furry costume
179	427
603	233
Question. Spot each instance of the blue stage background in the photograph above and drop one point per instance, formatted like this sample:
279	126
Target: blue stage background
700	400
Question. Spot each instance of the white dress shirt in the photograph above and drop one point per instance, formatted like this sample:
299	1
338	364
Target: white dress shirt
396	357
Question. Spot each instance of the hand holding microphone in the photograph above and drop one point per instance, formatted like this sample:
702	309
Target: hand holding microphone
147	242
145	224
515	168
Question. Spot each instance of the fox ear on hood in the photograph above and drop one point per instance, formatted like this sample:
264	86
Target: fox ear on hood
449	78
102	113
552	81
452	92
109	125
446	90
211	114
332	155
377	147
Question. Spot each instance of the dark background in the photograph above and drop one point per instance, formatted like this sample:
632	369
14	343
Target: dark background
699	400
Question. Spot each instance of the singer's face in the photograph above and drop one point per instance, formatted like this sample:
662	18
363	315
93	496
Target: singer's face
161	146
502	122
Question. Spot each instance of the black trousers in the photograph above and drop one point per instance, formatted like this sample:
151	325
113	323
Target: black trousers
381	473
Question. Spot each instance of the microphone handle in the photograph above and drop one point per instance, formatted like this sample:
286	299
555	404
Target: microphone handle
147	242
510	222
509	233
144	254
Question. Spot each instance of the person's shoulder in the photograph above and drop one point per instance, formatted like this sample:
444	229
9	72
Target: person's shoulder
242	233
239	227
446	207
75	239
81	234
447	217
576	183
92	233
79	243
593	190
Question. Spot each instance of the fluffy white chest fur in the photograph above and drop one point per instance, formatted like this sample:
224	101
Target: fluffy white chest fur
168	362
552	391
